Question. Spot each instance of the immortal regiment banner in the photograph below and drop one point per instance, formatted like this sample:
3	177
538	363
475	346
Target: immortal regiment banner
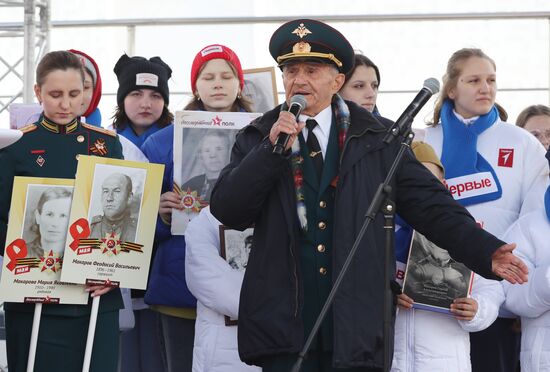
202	146
112	222
35	241
433	279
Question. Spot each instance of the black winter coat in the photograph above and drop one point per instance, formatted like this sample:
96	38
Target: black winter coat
257	188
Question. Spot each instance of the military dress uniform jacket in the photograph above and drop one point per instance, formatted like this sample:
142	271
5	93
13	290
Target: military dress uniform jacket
50	150
126	228
258	187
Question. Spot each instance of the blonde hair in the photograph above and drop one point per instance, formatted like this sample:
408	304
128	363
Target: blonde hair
450	79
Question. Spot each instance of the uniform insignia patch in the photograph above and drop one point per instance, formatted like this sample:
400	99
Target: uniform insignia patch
99	147
40	160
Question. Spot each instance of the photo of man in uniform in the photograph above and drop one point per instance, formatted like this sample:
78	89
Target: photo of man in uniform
116	196
212	155
433	277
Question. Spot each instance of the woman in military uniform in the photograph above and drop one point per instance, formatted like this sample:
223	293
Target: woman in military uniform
50	148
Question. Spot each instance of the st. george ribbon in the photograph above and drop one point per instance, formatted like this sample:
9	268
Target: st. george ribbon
297	104
431	87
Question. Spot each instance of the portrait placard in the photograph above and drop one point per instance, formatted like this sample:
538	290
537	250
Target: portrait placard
202	146
112	222
260	87
235	248
433	279
35	242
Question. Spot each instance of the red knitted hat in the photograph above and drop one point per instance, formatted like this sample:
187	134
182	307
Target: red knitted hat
215	51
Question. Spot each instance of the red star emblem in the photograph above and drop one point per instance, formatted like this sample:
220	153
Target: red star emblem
111	244
50	262
216	121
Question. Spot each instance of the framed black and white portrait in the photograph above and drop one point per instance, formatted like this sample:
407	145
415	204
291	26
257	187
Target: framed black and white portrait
112	222
116	201
433	279
260	88
235	249
47	210
202	147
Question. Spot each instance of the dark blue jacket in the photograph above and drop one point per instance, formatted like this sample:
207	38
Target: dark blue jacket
167	278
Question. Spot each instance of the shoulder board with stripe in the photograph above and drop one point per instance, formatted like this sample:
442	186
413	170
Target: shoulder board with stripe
28	128
98	129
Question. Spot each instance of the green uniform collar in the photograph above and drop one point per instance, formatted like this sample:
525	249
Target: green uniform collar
58	128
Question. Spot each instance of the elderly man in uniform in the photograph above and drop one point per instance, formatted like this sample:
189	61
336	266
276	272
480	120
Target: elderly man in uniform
116	194
308	205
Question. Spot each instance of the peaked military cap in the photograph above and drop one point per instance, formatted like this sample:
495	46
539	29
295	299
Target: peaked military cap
307	39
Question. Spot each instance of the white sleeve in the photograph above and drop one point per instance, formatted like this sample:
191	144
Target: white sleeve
534	178
209	277
530	299
131	151
489	296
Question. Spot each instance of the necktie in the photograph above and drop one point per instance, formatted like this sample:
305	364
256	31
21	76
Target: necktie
314	149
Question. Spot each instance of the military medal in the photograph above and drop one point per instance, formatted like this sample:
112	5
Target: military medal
110	245
51	262
190	201
99	147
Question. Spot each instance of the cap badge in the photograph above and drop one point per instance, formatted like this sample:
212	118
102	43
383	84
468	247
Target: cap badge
301	47
146	78
301	31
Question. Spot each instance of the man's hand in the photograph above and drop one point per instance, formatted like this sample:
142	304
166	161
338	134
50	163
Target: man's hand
286	123
509	267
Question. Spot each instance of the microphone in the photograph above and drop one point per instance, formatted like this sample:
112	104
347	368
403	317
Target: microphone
431	86
297	104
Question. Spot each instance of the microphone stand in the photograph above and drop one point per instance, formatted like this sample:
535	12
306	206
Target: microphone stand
381	202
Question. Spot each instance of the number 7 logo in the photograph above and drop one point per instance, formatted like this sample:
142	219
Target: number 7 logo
506	158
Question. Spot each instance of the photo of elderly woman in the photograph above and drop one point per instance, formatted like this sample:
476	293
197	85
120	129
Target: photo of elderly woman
46	219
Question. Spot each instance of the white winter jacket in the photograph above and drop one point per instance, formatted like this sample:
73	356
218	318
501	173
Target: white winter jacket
217	287
531	300
523	178
431	341
522	172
